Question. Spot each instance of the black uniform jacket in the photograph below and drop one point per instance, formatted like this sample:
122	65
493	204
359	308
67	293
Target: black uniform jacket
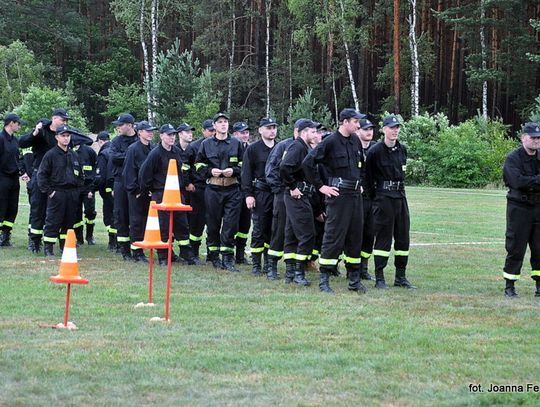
119	146
59	170
135	156
101	181
290	169
153	172
521	174
271	170
253	165
88	160
40	143
197	172
221	154
385	163
9	154
339	155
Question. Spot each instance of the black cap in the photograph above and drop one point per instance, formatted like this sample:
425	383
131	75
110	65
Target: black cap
185	127
320	126
61	112
123	119
391	121
13	117
532	129
350	113
240	126
144	125
168	129
208	124
218	115
103	135
366	124
267	122
304	124
64	129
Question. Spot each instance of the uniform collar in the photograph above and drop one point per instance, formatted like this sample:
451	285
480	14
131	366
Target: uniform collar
227	140
343	139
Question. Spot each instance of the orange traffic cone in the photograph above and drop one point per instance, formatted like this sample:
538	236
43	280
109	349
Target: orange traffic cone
171	196
68	274
152	234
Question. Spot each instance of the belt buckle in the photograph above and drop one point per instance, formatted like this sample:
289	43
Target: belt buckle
340	181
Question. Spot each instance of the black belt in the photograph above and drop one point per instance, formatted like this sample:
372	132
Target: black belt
392	186
345	183
261	185
305	187
531	197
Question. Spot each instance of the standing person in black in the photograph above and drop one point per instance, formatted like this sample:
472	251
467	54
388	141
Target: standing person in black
221	157
259	196
126	137
365	135
138	202
153	176
26	158
10	168
41	140
197	217
87	199
241	133
521	174
339	154
60	177
105	187
385	177
299	226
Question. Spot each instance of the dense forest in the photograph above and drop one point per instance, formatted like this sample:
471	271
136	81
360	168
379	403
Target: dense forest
173	60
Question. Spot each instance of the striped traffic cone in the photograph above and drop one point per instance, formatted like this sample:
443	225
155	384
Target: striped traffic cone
172	200
68	274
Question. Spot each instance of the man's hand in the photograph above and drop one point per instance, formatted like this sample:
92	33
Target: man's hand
25	177
227	172
329	191
216	172
90	195
250	202
295	193
38	127
190	188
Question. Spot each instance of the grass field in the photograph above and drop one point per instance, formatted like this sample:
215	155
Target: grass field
238	340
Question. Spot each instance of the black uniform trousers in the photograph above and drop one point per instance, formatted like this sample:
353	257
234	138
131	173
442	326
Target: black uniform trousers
299	228
180	225
60	214
522	229
368	237
108	204
90	213
223	206
121	212
197	217
262	221
9	200
38	208
279	216
391	220
343	231
138	213
244	223
319	234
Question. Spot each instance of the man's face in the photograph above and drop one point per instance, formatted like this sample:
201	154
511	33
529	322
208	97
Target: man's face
15	126
365	134
351	125
124	128
58	121
268	132
530	143
63	139
391	133
168	139
309	134
146	135
186	136
317	139
242	136
208	132
221	125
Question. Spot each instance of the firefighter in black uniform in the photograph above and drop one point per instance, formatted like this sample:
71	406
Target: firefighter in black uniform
60	177
221	156
197	217
10	169
365	135
152	176
88	160
342	161
41	140
258	195
138	202
26	158
241	133
299	226
126	137
521	174
385	178
273	179
105	186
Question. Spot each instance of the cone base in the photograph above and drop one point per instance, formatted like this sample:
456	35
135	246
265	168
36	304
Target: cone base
68	280
151	245
158	319
70	326
173	207
145	304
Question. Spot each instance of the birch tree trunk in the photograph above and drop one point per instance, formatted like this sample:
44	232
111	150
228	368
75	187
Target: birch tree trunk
484	57
415	83
268	4
155	30
231	57
290	75
348	57
397	89
147	85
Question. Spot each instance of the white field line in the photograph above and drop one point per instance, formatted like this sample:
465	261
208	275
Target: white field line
456	243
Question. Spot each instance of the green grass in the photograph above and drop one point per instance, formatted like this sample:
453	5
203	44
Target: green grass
238	340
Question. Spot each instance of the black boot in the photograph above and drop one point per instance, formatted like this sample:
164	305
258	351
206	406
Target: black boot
241	252
510	290
61	244
138	255
401	280
36	246
5	238
228	263
187	255
537	293
290	269
195	248
379	280
112	242
364	273
79	236
300	274
125	251
355	283
271	267
324	283
48	249
213	257
256	261
90	234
